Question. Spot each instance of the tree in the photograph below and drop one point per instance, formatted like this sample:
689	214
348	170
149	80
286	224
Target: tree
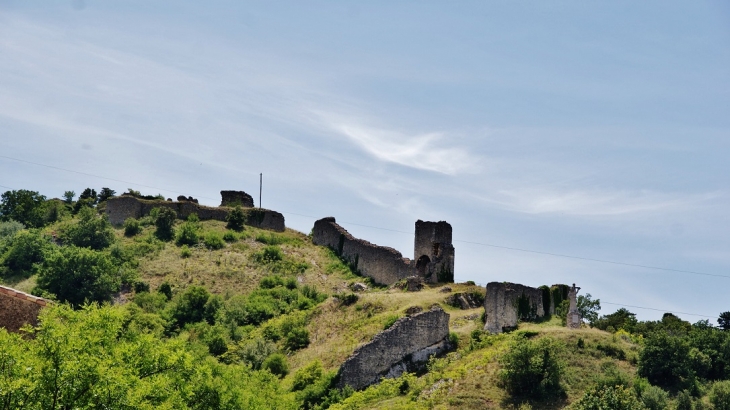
531	369
106	193
588	308
26	251
91	231
621	319
68	197
724	321
164	222
26	207
89	193
235	219
79	275
666	362
609	397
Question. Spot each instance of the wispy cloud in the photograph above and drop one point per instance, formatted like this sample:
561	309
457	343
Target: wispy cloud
426	151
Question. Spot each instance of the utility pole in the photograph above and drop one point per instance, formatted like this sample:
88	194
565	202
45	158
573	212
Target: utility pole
261	186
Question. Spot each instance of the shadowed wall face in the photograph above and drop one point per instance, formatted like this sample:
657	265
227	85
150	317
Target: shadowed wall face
18	309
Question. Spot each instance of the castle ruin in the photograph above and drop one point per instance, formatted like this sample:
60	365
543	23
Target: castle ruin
506	304
119	208
433	253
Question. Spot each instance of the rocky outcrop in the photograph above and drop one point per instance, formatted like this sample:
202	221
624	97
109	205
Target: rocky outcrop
464	301
405	346
233	198
19	308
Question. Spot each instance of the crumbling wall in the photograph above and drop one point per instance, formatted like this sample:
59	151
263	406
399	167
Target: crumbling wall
382	264
507	303
233	198
18	308
119	208
433	251
404	346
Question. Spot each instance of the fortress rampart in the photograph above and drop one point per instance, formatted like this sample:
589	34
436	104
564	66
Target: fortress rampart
19	308
506	304
434	260
119	208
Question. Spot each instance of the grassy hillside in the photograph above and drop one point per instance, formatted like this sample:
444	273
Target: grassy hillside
260	301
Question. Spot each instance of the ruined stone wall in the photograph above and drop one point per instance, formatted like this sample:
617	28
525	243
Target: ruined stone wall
506	303
402	347
233	198
18	308
119	208
382	264
433	251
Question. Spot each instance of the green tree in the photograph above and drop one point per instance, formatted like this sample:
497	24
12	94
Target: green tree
26	207
188	232
588	308
68	197
621	319
106	193
666	362
26	251
79	275
531	369
724	321
193	306
720	395
276	364
164	222
91	231
236	219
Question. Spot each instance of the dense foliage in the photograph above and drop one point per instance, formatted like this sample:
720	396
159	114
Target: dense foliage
532	369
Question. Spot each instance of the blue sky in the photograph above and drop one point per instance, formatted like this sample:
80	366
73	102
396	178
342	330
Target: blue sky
599	130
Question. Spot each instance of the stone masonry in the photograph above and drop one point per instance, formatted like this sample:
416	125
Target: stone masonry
119	208
405	346
434	253
506	303
233	198
19	308
574	319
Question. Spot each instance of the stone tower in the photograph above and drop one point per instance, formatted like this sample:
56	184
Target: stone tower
433	252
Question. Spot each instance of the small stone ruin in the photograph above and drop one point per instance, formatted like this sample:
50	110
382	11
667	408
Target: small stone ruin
233	198
19	308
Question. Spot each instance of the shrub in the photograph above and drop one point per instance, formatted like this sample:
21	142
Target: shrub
131	227
27	249
276	364
187	234
453	339
269	254
190	306
684	401
307	375
531	369
140	287
608	397
213	240
185	252
654	398
150	302
91	231
164	219
665	361
720	395
297	338
270	238
165	289
235	219
349	299
78	275
253	352
9	229
230	237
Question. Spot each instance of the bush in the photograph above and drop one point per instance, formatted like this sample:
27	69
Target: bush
185	252
665	361
187	234
26	250
720	395
269	254
253	352
91	231
131	227
235	219
684	401
608	397
307	375
9	229
79	275
531	369
213	240
390	321
654	398
276	364
191	306
348	299
453	339
165	289
230	237
297	338
164	222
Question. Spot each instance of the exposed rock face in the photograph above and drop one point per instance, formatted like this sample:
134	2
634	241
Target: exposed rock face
233	198
414	283
434	253
403	347
463	300
18	308
122	207
506	303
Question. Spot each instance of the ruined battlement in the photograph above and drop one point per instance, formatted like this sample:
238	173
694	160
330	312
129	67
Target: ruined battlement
386	265
506	304
233	198
19	308
119	208
404	346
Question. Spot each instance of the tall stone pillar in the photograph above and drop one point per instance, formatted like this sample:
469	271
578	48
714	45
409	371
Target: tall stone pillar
573	320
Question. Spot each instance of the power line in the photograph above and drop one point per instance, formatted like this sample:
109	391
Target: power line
409	233
659	310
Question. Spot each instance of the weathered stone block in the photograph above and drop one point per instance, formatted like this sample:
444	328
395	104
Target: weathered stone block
19	308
